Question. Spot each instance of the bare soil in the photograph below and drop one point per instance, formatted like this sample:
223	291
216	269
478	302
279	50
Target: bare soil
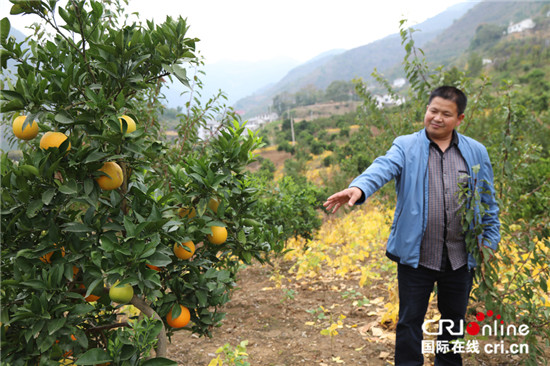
283	324
280	330
277	157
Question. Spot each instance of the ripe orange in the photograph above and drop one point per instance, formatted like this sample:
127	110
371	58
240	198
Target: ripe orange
184	211
213	204
53	139
183	253
153	267
46	258
114	179
89	298
218	236
131	124
181	321
28	133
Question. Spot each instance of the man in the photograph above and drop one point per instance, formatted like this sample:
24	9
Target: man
427	239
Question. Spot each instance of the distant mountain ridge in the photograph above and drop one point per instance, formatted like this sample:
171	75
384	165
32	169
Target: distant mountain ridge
358	62
457	36
443	38
235	78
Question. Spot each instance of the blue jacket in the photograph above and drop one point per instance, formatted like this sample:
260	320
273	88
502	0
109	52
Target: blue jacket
407	162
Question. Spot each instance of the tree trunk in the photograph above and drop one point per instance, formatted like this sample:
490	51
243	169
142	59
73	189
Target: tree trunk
162	343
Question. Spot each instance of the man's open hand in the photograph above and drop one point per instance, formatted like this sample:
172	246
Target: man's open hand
348	195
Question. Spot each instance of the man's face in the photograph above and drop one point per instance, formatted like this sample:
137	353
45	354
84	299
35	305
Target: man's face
441	119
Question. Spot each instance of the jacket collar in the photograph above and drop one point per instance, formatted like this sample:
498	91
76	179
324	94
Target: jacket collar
454	140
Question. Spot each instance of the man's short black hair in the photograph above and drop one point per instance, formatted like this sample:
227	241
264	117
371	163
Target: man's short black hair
453	94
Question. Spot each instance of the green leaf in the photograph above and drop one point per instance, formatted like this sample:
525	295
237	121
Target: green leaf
48	195
93	285
55	324
76	227
81	309
45	343
129	226
223	276
95	156
247	257
64	118
88	186
30	169
93	357
159	361
107	244
17	9
127	352
197	177
4	29
11	95
70	188
34	207
11	106
242	237
159	259
202	298
36	284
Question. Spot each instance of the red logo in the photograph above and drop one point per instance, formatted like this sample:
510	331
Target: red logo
473	328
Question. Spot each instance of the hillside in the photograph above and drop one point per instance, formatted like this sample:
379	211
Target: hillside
459	34
443	38
357	62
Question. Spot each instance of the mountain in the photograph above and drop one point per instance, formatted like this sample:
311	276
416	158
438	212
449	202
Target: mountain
236	79
262	97
443	38
354	63
458	36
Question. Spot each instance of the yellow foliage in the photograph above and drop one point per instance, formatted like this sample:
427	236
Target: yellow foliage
522	267
342	246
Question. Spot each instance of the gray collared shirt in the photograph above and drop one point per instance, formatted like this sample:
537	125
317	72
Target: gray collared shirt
444	237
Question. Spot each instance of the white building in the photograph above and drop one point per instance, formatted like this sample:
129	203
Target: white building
387	99
258	121
521	26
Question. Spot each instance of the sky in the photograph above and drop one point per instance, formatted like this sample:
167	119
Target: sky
255	30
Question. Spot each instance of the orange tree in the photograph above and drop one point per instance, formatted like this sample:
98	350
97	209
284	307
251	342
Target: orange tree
100	214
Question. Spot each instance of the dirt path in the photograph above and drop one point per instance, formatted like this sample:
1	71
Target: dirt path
283	320
283	325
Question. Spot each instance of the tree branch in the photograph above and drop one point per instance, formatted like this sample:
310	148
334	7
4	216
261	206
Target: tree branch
162	345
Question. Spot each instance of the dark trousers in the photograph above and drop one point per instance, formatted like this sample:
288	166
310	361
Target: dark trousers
415	287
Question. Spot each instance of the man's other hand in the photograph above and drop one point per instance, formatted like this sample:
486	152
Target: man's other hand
348	195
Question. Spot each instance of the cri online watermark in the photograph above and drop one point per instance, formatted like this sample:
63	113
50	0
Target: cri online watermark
494	328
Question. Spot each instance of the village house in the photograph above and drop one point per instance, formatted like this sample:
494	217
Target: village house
521	26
